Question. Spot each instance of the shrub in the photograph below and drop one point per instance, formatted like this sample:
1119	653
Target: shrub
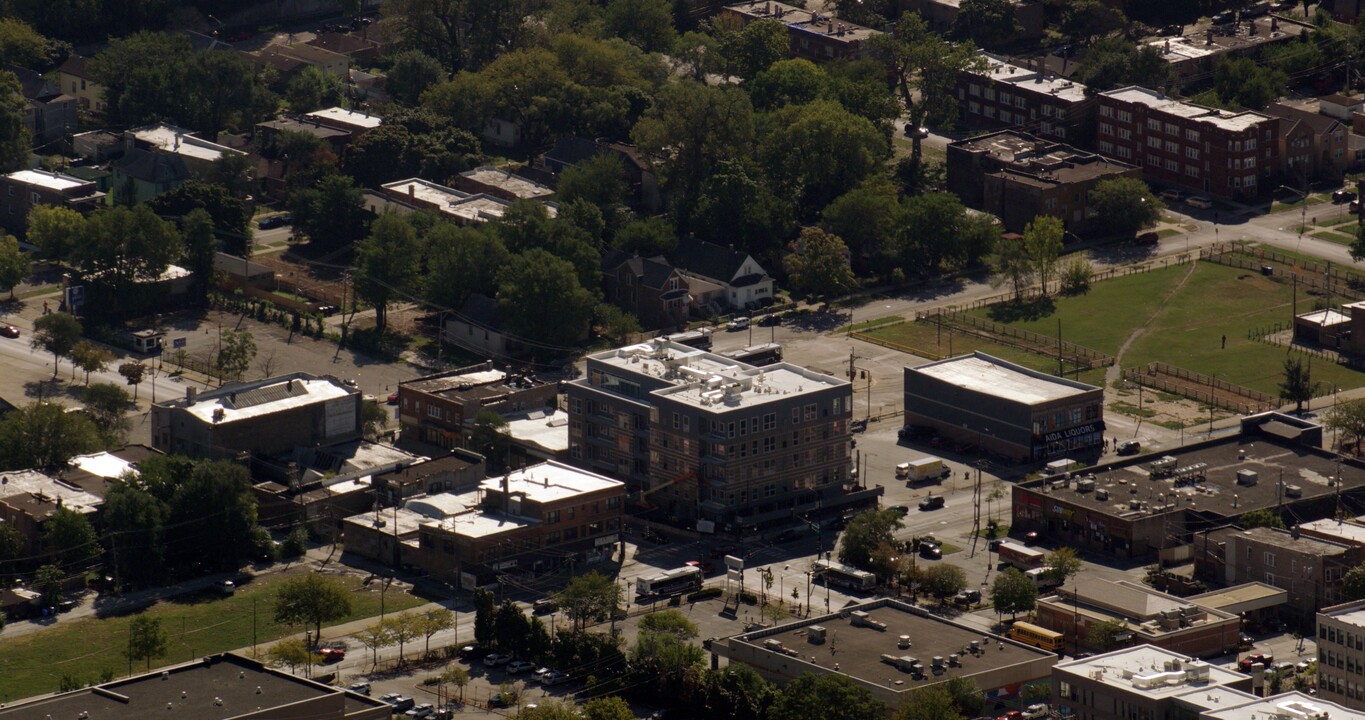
705	594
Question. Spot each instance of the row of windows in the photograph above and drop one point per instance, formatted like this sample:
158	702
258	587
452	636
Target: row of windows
1341	637
1349	688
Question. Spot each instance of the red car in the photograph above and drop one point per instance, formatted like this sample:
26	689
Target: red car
706	567
9	331
1012	715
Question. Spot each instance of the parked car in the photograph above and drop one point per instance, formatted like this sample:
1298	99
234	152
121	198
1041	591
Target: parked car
967	597
274	221
496	659
739	323
1129	447
540	673
1265	659
1036	710
770	320
930	551
420	712
473	652
1342	196
555	677
1173	196
1245	640
389	697
932	502
402	703
226	587
517	667
1199	201
8	330
360	687
706	567
499	701
920	132
1223	18
392	399
1011	715
544	605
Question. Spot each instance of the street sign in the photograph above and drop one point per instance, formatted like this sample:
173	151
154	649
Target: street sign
178	342
734	563
75	297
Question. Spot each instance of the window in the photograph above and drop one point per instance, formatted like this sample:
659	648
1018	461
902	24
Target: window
990	112
575	406
974	89
1076	416
1125	134
1105	111
1047	111
1250	163
1125	153
676	421
1172	147
1270	560
1125	116
1106	129
810	412
1153	160
1192	134
1019	103
551	517
770	421
1192	153
1106	147
989	94
1154	142
1192	170
1153	124
1251	144
1171	165
1172	129
433	411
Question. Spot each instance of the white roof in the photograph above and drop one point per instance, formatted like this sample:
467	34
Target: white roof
104	464
751	386
1349	532
426	191
21	482
523	188
1224	119
1151	671
1214	697
301	393
479	208
442	505
1002	71
1178	49
407	521
551	481
982	373
349	117
482	524
549	431
171	139
49	180
1286	706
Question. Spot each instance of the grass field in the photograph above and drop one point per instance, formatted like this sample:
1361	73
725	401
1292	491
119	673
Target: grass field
1333	236
1314	199
923	336
197	625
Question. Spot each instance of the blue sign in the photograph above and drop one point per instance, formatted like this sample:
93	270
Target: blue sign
75	297
178	342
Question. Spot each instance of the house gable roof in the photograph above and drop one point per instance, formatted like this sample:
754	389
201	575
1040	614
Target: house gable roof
1318	122
709	260
152	167
480	310
651	272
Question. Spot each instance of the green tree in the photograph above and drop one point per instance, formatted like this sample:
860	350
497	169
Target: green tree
829	697
312	599
817	262
294	652
534	280
967	695
14	135
691	127
697	55
1013	592
48	579
737	692
1043	243
607	708
374	637
1297	384
614	323
14	264
107	405
124	246
133	372
1248	82
411	72
600	180
373	418
820	151
387	264
312	89
670	622
1260	517
1062	563
11	544
462	261
224	91
924	68
332	214
647	237
70	539
90	357
1009	262
201	247
666	657
1353	584
42	435
647	24
1085	21
865	218
484	612
1347	418
756	47
54	229
589	597
235	352
788	82
228	214
212	516
942	580
143	76
136	519
56	333
146	639
738	205
935	702
1076	276
1115	62
488	436
1104	635
1126	204
434	621
867	531
405	627
987	22
21	45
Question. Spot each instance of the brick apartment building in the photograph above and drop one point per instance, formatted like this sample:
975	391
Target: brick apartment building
1030	100
439	408
713	440
1309	569
1017	177
1341	654
26	189
1218	152
814	37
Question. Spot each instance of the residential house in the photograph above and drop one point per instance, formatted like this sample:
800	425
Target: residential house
813	36
456	205
98	145
329	62
49	114
336	138
1341	107
76	81
650	288
353	121
1016	177
1025	99
570	150
729	277
360	50
1311	144
477	327
441	408
201	156
141	175
1222	153
25	189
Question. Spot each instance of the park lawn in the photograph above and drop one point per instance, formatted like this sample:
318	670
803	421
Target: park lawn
197	625
1302	257
1222	301
1315	199
1335	237
1103	318
923	336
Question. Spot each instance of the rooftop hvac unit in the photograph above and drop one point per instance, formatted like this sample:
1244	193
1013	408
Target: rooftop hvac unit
1293	491
773	644
1084	485
903	642
1102	494
817	634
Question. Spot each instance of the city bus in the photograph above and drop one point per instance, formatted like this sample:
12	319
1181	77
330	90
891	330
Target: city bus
833	573
1038	637
760	355
700	339
670	582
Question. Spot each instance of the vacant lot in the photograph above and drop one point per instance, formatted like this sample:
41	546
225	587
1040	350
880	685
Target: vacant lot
925	337
197	625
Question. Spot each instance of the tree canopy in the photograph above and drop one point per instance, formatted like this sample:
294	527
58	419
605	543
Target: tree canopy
311	599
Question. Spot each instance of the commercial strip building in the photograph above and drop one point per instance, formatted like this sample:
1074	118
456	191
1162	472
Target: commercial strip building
265	417
1144	682
1341	654
889	648
212	688
1132	508
711	441
813	36
1025	99
1016	177
1219	152
528	521
1005	409
1150	618
1307	569
440	408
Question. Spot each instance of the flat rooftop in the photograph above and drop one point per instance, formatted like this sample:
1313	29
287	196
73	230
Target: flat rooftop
1130	491
549	431
49	180
1343	531
505	180
443	505
42	486
315	128
551	481
391	521
1242	598
250	400
857	650
667	361
1152	671
171	139
425	191
1295	705
482	208
1330	316
751	387
1223	119
805	20
1002	70
482	523
1284	539
215	688
1352	613
348	117
1211	698
982	373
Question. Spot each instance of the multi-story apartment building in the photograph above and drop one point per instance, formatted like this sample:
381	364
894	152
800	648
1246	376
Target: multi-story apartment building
813	36
1309	569
1017	177
1033	101
711	439
439	408
1144	682
26	189
1219	152
1341	654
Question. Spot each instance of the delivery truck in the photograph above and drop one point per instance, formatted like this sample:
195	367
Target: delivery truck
1019	556
926	469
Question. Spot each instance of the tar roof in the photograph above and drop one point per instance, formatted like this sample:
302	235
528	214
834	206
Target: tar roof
806	21
15	484
49	180
551	481
1002	71
982	373
483	523
1286	705
521	187
858	649
1223	119
1151	670
239	402
1285	539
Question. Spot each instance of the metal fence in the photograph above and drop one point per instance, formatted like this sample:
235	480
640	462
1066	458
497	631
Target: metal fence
1022	339
1200	388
